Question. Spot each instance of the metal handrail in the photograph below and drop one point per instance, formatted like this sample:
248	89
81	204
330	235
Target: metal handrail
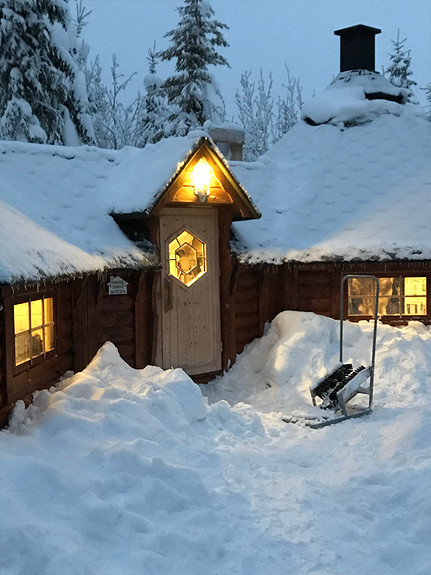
376	311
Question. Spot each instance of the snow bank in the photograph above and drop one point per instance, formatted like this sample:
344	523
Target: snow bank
300	348
124	471
115	471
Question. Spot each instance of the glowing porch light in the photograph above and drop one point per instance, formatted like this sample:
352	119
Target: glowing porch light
202	179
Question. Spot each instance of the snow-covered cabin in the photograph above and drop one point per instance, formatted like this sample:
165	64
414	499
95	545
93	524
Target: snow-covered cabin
129	246
164	251
346	191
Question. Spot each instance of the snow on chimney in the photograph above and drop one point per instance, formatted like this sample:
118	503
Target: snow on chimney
357	47
229	138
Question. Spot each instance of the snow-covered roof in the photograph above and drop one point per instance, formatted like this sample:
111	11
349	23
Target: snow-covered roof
355	185
55	204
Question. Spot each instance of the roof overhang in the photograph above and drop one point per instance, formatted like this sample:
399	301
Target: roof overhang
225	188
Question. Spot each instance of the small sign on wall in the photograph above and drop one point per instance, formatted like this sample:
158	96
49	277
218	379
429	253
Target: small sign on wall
117	286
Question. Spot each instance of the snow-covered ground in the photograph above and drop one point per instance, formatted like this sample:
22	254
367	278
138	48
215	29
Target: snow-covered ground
118	471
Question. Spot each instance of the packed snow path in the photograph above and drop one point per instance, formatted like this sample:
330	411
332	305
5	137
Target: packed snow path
121	471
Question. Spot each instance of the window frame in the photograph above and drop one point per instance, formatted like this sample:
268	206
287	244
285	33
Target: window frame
172	259
45	355
402	296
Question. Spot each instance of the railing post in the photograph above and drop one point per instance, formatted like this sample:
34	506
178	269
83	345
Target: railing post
376	311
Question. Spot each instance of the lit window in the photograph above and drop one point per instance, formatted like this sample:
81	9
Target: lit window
415	292
398	296
187	258
33	328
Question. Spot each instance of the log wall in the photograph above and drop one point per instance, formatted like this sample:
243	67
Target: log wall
86	316
3	390
124	320
261	292
259	295
246	308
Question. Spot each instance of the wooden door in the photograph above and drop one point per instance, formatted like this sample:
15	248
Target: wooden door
189	303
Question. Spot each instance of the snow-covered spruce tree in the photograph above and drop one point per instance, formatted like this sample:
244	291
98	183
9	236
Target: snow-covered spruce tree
152	109
398	71
82	49
43	96
193	89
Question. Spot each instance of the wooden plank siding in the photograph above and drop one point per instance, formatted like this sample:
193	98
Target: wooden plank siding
125	320
3	388
258	297
246	308
227	283
261	292
85	316
314	292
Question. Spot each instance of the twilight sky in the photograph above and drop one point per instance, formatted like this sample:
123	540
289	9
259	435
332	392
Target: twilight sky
263	34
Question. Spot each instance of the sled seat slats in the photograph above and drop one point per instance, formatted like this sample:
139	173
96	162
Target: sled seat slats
338	387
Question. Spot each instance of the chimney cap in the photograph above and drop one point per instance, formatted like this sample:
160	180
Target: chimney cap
357	47
358	28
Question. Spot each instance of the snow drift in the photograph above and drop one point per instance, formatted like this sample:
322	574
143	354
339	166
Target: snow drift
123	471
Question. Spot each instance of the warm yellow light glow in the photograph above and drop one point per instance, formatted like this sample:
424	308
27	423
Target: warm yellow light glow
398	296
415	291
34	329
202	179
187	258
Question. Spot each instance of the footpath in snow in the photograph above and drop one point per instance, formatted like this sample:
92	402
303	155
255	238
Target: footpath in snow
119	471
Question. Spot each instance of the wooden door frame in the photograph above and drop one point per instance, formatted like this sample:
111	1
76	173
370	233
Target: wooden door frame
187	212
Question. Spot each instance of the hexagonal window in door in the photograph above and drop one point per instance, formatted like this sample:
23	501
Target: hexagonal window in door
187	258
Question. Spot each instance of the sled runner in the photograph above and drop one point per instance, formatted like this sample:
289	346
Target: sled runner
336	389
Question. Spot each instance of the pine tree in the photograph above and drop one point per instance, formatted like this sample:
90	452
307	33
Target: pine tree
194	90
152	109
399	69
42	96
82	49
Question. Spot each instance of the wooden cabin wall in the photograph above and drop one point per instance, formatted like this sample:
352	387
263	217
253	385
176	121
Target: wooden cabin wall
85	316
21	382
390	269
3	389
246	308
314	288
258	298
125	320
261	292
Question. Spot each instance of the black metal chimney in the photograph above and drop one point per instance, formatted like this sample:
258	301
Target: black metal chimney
357	47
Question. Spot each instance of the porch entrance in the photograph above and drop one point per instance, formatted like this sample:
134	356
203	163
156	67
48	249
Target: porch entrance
189	333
